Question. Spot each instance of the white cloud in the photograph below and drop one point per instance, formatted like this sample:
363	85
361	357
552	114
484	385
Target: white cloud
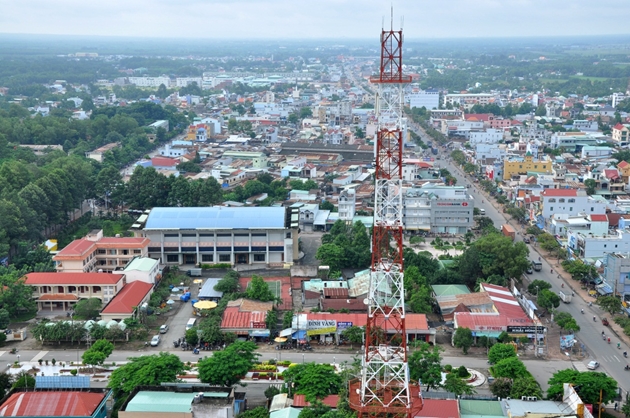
247	19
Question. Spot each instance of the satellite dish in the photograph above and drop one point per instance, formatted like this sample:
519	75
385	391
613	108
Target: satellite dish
366	301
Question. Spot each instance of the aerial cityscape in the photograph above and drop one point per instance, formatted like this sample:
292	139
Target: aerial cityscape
346	209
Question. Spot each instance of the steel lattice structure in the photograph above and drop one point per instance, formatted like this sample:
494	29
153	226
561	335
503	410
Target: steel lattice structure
384	389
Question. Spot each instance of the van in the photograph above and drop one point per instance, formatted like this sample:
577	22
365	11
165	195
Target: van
482	212
190	323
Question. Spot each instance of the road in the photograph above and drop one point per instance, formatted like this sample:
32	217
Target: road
610	357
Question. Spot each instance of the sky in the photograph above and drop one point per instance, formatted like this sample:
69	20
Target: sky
314	19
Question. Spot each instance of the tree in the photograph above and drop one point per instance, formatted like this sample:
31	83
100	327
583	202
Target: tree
511	367
456	385
5	384
586	384
24	380
287	319
499	352
610	304
548	300
258	412
258	289
227	367
313	380
463	339
98	353
626	407
316	410
590	186
501	387
537	286
4	318
354	334
306	112
192	338
425	365
88	308
525	386
228	284
145	371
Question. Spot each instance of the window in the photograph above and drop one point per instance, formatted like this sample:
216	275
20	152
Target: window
189	235
288	235
571	209
224	235
551	208
225	257
259	235
172	258
592	209
171	235
206	235
552	200
536	166
571	200
137	251
102	251
259	257
241	235
207	257
560	200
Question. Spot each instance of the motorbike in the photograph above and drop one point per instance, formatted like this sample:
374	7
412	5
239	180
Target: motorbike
627	367
176	343
625	354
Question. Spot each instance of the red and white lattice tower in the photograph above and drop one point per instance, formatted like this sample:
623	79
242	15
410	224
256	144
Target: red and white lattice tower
384	389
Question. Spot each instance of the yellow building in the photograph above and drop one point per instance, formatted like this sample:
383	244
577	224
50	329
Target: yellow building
523	166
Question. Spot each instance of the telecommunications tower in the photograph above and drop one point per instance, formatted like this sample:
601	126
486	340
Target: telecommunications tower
384	389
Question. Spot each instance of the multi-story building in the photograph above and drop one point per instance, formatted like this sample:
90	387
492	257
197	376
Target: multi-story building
234	235
150	81
573	141
487	154
593	247
95	252
469	100
517	166
489	136
429	99
347	205
442	209
56	291
562	203
617	273
621	133
185	81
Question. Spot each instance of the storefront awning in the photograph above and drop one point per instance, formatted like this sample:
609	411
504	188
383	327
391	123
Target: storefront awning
286	332
259	333
299	335
604	289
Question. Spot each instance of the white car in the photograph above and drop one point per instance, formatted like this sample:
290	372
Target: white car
163	329
592	365
155	340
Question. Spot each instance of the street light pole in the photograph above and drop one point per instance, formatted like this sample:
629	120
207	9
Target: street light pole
302	358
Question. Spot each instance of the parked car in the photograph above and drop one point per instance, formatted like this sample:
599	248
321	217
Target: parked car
592	365
526	240
529	270
163	329
155	341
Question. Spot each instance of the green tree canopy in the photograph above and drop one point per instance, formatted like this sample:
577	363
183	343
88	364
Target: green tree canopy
227	367
313	380
88	308
145	371
536	286
499	352
511	367
425	365
610	304
258	289
463	339
586	384
456	385
548	300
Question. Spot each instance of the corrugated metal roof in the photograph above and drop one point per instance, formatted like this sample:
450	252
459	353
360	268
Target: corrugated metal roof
439	408
207	291
142	264
52	404
480	408
216	218
147	401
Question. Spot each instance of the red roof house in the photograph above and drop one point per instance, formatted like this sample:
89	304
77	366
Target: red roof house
56	403
124	304
439	408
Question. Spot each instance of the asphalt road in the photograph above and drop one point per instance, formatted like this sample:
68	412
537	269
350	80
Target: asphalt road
608	355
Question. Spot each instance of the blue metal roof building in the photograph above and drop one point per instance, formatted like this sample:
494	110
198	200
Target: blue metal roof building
265	236
216	218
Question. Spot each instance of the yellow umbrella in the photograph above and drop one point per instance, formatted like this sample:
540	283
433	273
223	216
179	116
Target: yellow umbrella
205	304
197	281
280	339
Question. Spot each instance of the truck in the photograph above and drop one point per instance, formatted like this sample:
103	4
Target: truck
537	265
565	297
194	272
434	150
508	231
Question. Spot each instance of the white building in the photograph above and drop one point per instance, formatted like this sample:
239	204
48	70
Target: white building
185	81
347	205
590	246
563	203
429	99
468	100
441	209
488	153
150	81
489	136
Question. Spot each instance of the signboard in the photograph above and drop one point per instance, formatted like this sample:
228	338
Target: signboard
343	325
451	203
321	323
319	331
528	329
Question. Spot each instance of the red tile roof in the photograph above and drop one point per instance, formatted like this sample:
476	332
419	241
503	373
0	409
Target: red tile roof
55	404
623	164
338	304
558	192
611	174
439	408
233	318
506	304
335	292
128	298
77	247
163	162
72	278
126	241
299	401
599	218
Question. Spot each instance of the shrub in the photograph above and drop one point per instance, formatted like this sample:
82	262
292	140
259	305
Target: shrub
462	372
448	368
73	372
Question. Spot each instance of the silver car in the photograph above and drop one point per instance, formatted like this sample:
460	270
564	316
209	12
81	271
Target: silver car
592	365
155	340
